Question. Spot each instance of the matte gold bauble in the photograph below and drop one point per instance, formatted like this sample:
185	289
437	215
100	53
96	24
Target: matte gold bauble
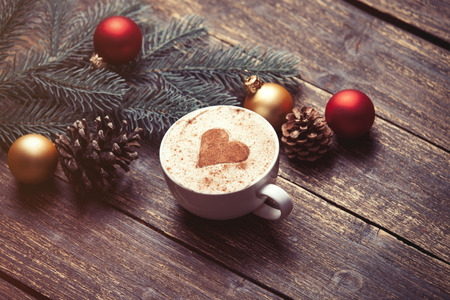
270	100
32	159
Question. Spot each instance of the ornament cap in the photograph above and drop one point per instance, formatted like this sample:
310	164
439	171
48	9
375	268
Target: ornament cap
97	61
252	84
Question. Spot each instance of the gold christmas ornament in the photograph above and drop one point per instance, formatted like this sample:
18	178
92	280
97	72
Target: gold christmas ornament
32	159
270	100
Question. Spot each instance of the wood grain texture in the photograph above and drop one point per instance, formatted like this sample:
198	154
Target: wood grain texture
319	251
342	47
431	16
68	248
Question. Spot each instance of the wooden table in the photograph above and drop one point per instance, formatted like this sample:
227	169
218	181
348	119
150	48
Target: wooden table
371	220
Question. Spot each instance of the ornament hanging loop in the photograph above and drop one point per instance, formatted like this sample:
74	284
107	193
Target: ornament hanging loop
245	74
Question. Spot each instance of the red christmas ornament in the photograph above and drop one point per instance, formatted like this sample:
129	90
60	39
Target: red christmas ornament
117	39
350	113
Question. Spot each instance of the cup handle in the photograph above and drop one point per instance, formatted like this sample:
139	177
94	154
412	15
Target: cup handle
278	195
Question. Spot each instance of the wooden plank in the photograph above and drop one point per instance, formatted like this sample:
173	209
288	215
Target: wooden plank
319	251
66	248
342	47
431	16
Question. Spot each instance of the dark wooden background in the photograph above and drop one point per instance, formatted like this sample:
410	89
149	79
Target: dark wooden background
371	220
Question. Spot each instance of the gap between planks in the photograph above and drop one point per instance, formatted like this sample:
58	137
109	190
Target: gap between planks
192	248
220	38
253	280
23	287
374	224
412	29
199	252
60	176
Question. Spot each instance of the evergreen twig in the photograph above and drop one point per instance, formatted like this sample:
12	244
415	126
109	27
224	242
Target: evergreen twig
51	84
16	18
43	118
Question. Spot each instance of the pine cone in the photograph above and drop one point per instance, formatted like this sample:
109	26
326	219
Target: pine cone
89	161
306	135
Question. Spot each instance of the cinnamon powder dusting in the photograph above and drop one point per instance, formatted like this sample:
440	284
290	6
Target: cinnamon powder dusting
216	148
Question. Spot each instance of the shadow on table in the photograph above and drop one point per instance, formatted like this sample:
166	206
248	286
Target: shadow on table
358	147
248	240
359	151
37	196
55	194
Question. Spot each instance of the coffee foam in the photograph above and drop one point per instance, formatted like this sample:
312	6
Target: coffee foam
181	145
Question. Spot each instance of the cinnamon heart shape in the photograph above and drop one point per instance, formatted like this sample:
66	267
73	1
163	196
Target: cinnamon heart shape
216	148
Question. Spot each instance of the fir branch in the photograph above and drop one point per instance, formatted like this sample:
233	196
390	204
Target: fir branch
159	41
46	70
39	117
196	91
152	110
55	23
34	75
225	65
16	16
13	78
175	73
175	33
82	89
155	110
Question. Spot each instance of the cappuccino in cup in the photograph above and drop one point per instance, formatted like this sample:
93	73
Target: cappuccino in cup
216	160
219	150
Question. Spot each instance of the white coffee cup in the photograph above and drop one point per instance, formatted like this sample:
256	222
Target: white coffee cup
181	145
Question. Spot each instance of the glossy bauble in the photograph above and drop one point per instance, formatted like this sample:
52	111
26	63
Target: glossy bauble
32	159
272	101
350	113
117	39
